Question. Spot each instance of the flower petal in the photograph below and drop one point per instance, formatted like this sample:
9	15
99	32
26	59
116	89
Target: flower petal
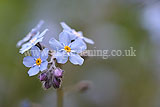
38	40
43	65
25	47
64	37
33	71
88	40
25	39
37	27
76	59
65	26
73	36
34	37
44	54
35	51
80	33
43	33
28	61
61	57
55	44
78	45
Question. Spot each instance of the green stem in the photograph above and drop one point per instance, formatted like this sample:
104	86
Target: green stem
60	97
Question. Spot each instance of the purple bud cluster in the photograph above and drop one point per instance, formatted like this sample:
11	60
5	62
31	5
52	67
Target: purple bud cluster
51	78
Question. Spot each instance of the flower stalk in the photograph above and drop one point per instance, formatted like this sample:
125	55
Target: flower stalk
60	97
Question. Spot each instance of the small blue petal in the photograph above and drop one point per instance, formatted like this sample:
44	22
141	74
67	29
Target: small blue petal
80	33
88	40
76	59
61	57
43	33
37	27
38	40
34	38
44	54
35	52
28	61
64	37
43	65
55	45
78	45
25	47
25	39
72	35
65	26
33	71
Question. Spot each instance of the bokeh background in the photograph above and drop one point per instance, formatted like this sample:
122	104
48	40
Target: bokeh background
112	24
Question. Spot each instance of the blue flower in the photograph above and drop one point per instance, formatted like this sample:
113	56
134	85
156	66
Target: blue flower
75	34
37	62
66	49
35	39
33	32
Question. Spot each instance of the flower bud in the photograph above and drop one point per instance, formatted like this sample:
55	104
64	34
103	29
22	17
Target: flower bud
46	85
56	82
43	77
58	72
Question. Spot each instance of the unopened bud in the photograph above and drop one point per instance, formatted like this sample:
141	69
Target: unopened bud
43	77
46	85
56	82
58	72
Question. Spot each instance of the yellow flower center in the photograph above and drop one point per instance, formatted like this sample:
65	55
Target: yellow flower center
67	49
38	61
33	40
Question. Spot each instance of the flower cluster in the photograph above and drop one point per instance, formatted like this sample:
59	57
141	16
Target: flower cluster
40	58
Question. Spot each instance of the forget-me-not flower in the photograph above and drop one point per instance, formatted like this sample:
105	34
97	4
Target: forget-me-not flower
35	39
37	62
32	33
66	49
75	34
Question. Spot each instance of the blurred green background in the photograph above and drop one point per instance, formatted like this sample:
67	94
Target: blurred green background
112	24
